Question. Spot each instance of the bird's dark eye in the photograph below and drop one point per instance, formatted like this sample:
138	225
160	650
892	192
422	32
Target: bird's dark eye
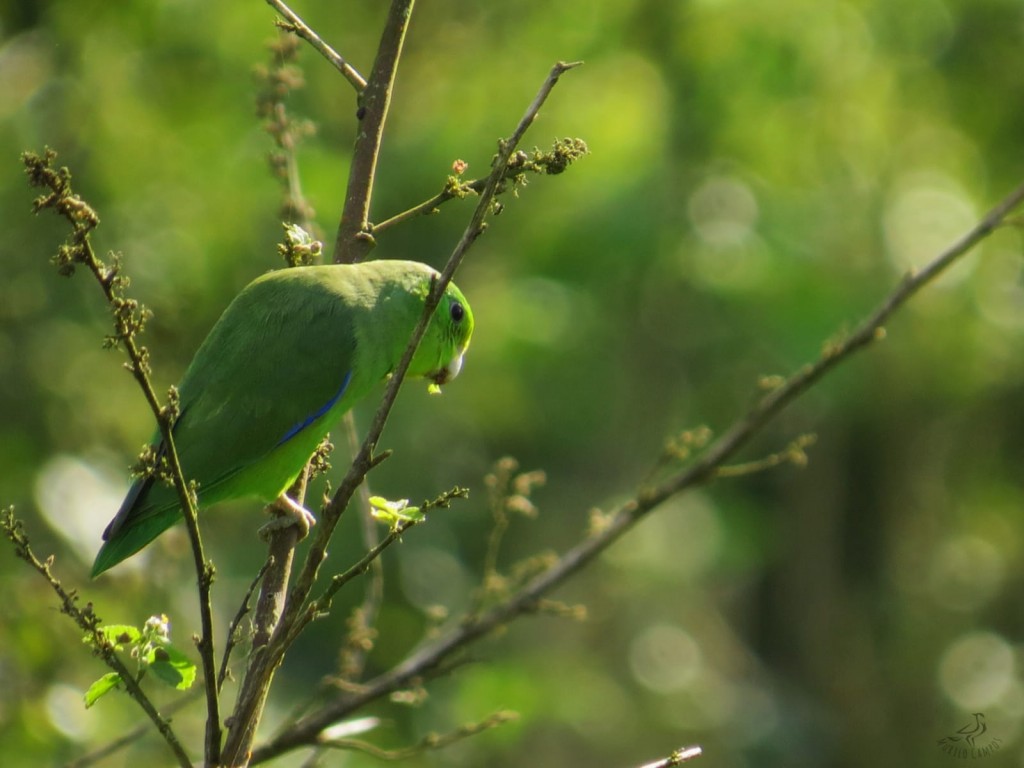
457	311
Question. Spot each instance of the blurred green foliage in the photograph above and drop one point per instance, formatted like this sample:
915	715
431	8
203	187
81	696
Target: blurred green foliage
761	174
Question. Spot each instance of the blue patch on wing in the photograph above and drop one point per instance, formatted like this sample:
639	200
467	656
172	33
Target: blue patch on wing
320	412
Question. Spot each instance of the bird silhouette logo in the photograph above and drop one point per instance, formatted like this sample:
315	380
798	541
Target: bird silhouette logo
969	732
965	741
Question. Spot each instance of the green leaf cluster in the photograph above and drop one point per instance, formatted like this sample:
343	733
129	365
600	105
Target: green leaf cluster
152	652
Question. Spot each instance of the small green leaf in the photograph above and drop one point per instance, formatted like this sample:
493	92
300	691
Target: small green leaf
104	685
394	513
172	666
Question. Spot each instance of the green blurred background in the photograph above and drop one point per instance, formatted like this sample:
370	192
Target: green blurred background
762	172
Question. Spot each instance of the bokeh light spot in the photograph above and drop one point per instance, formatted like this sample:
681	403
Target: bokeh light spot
66	711
927	212
723	211
966	572
431	577
78	499
977	670
664	658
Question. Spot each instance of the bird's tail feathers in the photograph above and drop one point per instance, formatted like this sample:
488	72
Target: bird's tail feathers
125	541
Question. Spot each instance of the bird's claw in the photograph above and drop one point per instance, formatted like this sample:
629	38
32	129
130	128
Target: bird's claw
287	512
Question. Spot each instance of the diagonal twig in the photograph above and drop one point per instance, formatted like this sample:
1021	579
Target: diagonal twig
365	459
297	26
129	319
704	470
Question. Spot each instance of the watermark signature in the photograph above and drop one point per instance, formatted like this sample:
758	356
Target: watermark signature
971	741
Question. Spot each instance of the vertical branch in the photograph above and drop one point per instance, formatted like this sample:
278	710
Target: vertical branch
280	78
354	241
352	244
283	541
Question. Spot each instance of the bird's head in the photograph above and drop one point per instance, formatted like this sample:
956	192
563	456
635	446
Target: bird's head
447	338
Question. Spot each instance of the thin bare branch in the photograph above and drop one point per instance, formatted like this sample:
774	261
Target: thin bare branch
680	756
297	26
505	149
97	756
794	453
354	241
236	623
429	743
562	154
870	330
452	190
363	619
322	604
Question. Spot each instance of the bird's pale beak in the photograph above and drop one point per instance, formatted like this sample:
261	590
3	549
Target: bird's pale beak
449	372
444	375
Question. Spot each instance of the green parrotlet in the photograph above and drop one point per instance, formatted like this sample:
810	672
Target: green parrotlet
294	351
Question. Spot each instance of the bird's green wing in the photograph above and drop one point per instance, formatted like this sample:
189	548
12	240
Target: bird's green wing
294	351
253	404
284	357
